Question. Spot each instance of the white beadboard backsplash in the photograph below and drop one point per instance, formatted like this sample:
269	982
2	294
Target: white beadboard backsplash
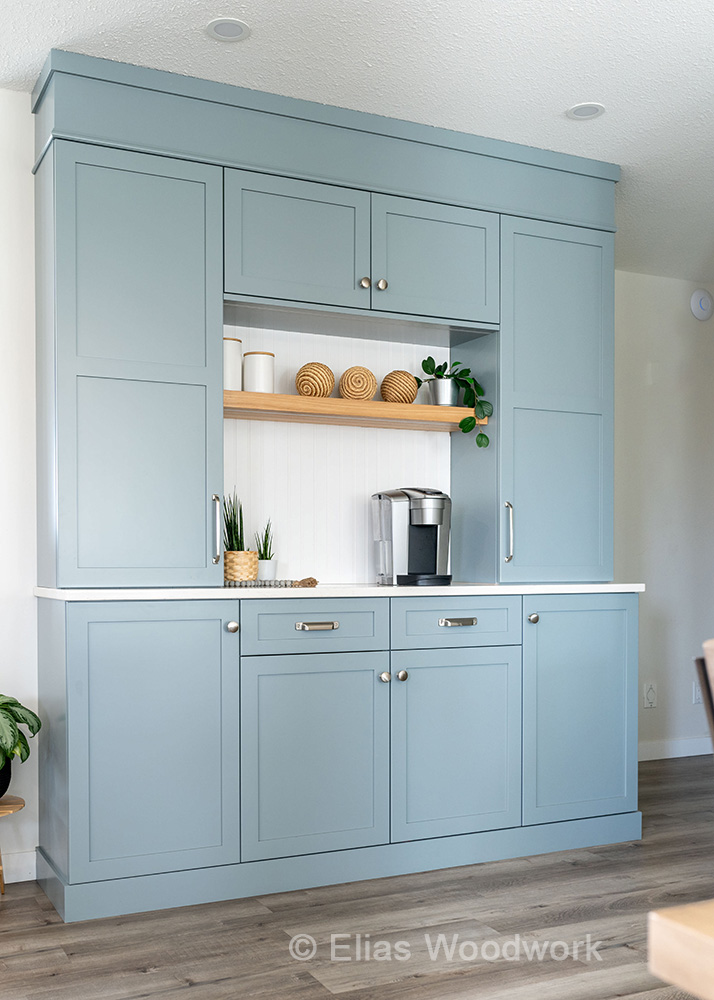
314	481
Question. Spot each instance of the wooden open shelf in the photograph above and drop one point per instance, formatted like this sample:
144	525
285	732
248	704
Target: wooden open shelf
354	412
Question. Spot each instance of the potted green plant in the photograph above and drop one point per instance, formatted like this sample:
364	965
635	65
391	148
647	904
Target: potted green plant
446	381
13	742
239	563
267	565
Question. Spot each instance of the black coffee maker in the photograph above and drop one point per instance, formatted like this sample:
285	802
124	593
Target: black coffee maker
411	534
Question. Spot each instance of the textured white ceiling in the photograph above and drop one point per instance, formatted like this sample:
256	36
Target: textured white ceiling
506	70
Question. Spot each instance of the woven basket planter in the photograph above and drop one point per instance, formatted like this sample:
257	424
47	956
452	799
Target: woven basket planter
240	565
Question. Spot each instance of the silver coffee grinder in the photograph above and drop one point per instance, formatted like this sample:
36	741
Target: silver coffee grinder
411	534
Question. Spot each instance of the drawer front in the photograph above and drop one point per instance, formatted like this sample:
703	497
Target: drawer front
424	622
312	626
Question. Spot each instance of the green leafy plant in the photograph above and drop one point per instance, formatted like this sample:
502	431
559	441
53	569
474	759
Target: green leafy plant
13	742
233	535
473	393
264	542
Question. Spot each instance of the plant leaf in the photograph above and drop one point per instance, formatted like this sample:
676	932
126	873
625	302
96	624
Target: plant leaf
419	382
478	410
467	424
469	397
5	699
22	747
465	372
487	408
428	365
478	387
23	716
8	732
482	440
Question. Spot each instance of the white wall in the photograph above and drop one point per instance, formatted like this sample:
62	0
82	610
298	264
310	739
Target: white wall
18	645
664	496
315	482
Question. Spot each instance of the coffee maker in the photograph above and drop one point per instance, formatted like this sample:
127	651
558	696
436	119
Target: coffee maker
411	534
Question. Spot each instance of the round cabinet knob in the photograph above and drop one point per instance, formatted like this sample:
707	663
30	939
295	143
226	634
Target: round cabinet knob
382	284
365	283
385	677
232	626
402	675
534	619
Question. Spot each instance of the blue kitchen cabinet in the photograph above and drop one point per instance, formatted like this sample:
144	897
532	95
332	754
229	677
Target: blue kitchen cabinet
152	707
129	360
314	753
436	260
556	403
579	706
295	241
456	741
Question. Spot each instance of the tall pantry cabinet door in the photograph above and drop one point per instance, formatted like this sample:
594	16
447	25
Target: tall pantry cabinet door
138	353
556	403
153	691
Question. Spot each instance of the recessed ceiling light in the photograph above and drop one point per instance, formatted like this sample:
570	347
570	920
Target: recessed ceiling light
228	29
584	112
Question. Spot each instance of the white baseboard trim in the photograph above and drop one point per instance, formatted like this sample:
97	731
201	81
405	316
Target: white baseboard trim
19	867
664	749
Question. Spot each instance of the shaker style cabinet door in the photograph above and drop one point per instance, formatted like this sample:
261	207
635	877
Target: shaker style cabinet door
314	753
435	260
556	406
456	741
579	706
294	240
138	451
153	737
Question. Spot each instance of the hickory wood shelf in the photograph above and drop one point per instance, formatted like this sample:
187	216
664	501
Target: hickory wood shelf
353	412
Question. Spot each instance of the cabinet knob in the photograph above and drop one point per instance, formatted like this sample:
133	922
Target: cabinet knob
232	626
402	675
385	676
534	619
382	284
365	283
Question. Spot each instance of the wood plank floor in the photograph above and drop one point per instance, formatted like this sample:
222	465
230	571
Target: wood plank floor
240	949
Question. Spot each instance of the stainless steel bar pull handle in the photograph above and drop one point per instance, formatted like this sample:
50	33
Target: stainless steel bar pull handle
316	626
509	506
451	622
216	528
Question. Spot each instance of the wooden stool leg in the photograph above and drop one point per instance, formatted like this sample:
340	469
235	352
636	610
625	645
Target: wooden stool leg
2	880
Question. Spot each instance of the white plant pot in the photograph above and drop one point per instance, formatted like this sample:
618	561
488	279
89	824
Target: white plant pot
267	568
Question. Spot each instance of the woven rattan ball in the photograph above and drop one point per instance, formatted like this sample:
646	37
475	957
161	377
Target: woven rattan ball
315	379
358	383
399	387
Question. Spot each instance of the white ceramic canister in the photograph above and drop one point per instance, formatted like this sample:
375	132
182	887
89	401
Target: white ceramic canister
232	364
259	371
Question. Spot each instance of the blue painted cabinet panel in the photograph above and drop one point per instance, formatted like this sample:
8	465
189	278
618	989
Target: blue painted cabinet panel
556	463
314	753
288	626
153	707
438	260
444	622
139	384
456	741
290	239
580	706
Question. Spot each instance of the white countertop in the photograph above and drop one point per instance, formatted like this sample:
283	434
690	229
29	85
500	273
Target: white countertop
332	591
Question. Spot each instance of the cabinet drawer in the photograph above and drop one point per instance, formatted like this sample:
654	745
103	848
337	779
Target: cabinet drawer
423	622
312	626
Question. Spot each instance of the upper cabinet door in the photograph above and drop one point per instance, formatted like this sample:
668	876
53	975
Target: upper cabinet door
436	260
556	403
138	335
290	239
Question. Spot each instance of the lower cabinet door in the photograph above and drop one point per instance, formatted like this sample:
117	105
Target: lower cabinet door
153	737
456	741
314	753
580	706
